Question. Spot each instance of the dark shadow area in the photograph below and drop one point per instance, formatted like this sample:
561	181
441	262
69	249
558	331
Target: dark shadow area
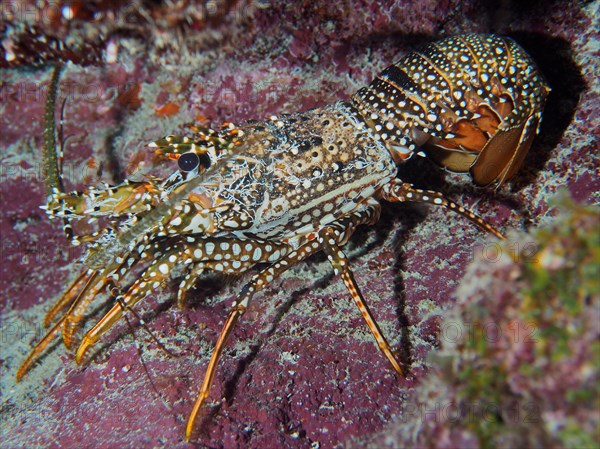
411	216
501	15
206	286
556	61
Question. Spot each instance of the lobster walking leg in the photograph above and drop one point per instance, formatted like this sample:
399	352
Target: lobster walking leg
257	283
405	193
78	297
198	269
69	296
233	317
127	301
339	232
50	335
85	297
221	250
338	259
90	292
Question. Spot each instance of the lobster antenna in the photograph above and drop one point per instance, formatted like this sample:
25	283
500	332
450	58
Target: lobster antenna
53	154
52	175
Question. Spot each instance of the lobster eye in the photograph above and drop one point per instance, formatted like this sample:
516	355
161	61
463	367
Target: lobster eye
188	161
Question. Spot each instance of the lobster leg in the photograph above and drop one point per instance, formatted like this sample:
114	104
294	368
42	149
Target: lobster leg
75	314
151	278
243	255
233	317
90	292
78	297
404	193
257	283
220	250
338	259
223	248
52	333
334	234
120	266
200	267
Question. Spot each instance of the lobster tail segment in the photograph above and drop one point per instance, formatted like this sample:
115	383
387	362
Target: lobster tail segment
472	103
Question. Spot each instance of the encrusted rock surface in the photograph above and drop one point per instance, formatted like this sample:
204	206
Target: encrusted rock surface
302	370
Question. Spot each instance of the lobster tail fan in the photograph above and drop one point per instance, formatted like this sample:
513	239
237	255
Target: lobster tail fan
504	153
482	148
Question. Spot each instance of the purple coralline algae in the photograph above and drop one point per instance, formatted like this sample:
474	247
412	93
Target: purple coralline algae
519	359
302	370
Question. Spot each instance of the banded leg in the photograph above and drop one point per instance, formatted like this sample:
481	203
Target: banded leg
77	298
118	267
91	290
405	193
127	301
151	251
344	228
113	273
198	268
75	314
196	251
329	238
257	283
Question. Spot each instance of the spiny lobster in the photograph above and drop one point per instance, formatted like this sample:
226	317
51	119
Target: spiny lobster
277	191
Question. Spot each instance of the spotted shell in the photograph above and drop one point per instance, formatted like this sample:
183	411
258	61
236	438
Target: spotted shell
472	103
